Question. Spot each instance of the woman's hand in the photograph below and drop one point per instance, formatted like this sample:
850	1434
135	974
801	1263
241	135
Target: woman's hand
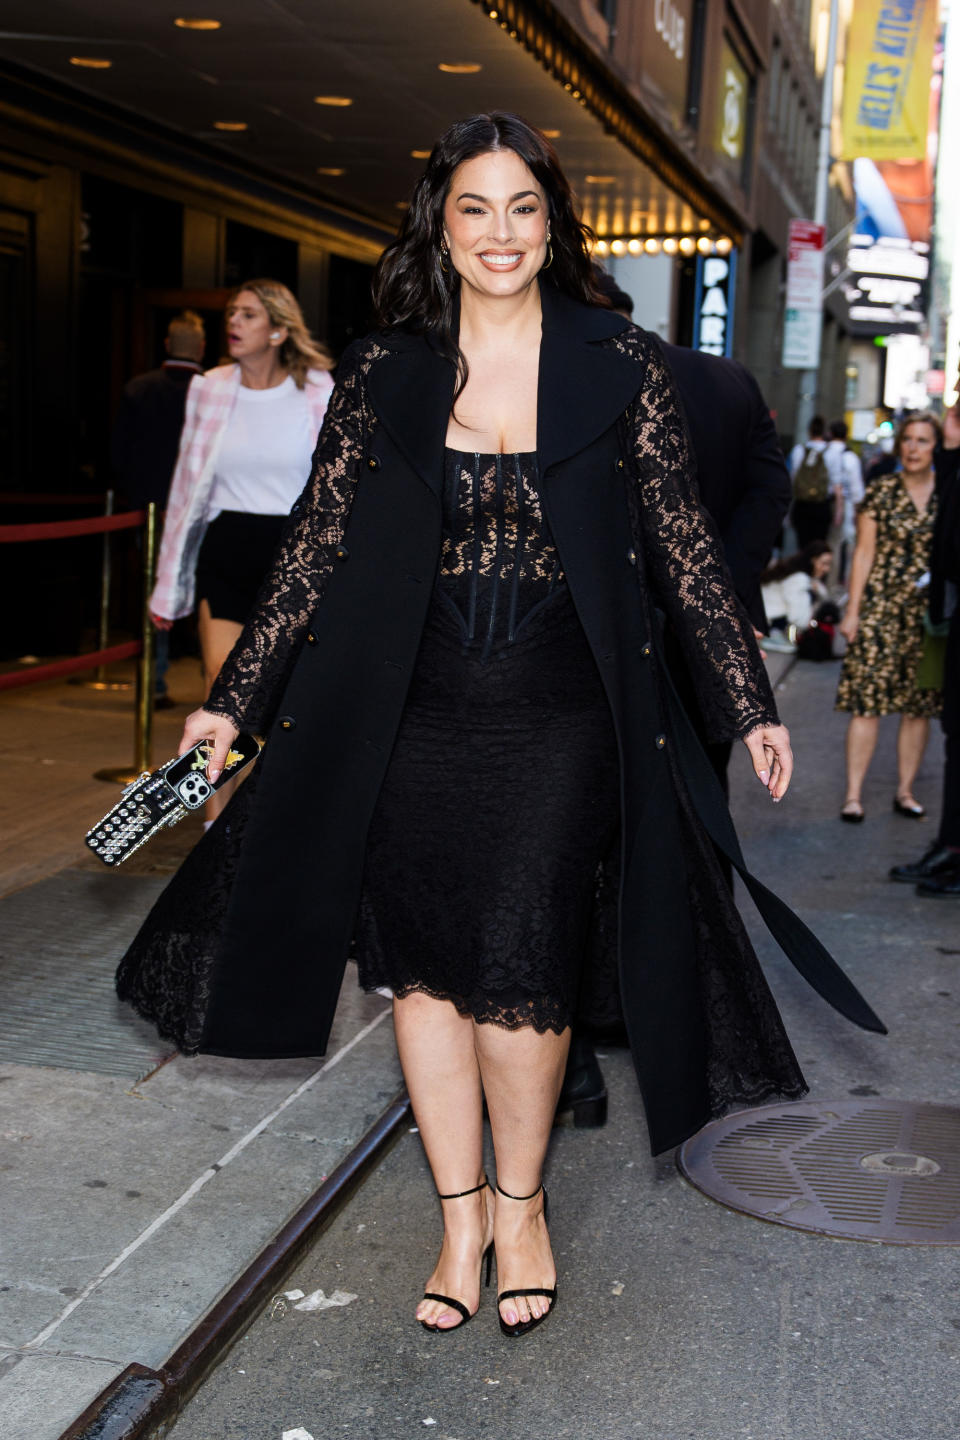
160	622
220	731
769	747
849	626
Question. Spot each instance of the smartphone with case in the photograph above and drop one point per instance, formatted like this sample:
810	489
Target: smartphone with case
158	800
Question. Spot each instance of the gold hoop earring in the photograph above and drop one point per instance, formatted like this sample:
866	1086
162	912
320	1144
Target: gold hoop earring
549	260
444	256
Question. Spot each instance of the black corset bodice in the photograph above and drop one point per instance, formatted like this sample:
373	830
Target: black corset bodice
499	562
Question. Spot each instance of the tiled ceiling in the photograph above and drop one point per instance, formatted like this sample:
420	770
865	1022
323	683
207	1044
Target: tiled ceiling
269	59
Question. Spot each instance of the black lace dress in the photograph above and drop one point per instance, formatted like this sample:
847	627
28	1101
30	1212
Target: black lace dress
489	863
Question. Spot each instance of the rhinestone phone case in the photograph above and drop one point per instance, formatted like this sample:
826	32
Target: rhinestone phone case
161	799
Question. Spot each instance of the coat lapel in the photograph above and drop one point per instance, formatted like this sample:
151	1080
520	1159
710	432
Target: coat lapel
411	390
583	387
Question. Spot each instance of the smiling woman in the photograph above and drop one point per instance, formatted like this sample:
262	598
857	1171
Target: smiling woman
479	780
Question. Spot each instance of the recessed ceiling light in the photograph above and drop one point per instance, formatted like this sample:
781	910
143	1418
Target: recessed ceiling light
339	102
459	67
90	62
601	179
230	125
331	170
551	134
421	154
189	22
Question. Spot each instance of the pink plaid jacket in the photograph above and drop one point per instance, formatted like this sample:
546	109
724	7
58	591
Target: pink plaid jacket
210	399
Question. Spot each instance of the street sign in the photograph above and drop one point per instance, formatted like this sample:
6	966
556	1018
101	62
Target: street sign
803	316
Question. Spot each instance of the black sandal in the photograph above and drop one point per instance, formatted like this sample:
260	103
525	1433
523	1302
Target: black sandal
523	1327
485	1258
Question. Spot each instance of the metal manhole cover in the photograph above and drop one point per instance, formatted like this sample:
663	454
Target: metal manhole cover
885	1170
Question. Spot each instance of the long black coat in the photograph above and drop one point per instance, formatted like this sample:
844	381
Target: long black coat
245	951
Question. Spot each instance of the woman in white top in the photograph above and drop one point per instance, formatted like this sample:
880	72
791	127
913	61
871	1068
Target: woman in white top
249	432
792	588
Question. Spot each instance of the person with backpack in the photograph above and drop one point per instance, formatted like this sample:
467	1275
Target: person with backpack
815	498
846	474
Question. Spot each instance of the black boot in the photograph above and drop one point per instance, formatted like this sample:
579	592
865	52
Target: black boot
944	882
583	1089
937	860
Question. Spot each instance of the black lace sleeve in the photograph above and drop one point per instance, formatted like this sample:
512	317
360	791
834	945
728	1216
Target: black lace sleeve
686	566
251	681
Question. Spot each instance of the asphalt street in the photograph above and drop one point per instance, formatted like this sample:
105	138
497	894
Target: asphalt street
678	1319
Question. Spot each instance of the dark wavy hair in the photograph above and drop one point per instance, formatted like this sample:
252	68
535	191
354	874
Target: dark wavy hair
412	291
799	560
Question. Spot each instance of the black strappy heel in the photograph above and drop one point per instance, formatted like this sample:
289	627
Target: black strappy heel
486	1260
523	1327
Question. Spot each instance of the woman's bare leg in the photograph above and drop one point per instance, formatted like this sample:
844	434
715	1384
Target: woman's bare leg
522	1075
911	743
861	743
217	639
439	1061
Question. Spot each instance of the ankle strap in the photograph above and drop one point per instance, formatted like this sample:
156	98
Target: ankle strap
501	1191
458	1194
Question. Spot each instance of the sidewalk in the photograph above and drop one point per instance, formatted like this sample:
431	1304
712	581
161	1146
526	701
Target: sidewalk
137	1184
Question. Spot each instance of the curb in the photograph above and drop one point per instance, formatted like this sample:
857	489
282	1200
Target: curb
142	1404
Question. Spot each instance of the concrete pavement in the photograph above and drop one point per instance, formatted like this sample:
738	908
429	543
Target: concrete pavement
135	1195
137	1184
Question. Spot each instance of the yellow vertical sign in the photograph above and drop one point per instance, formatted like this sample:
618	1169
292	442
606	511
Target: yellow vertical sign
886	87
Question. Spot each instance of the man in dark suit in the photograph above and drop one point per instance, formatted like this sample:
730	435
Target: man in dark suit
146	436
745	487
937	873
146	439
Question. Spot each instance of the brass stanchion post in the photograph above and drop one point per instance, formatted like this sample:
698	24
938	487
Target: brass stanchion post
100	681
146	670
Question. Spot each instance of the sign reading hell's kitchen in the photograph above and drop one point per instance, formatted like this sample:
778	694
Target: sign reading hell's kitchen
886	88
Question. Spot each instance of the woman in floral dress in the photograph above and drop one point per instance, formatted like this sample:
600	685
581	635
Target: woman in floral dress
884	617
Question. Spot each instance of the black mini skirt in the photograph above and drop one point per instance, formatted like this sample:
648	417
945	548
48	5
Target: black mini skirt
236	553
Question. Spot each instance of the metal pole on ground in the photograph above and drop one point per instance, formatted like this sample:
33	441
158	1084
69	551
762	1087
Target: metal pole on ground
146	670
809	379
100	681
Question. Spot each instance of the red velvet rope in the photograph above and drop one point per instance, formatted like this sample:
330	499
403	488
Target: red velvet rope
37	673
62	529
48	497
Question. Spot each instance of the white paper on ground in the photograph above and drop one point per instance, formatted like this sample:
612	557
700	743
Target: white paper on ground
319	1301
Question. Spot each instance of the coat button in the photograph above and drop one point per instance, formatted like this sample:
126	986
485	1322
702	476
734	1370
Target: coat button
646	652
660	741
620	463
311	638
373	462
342	553
631	557
287	722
